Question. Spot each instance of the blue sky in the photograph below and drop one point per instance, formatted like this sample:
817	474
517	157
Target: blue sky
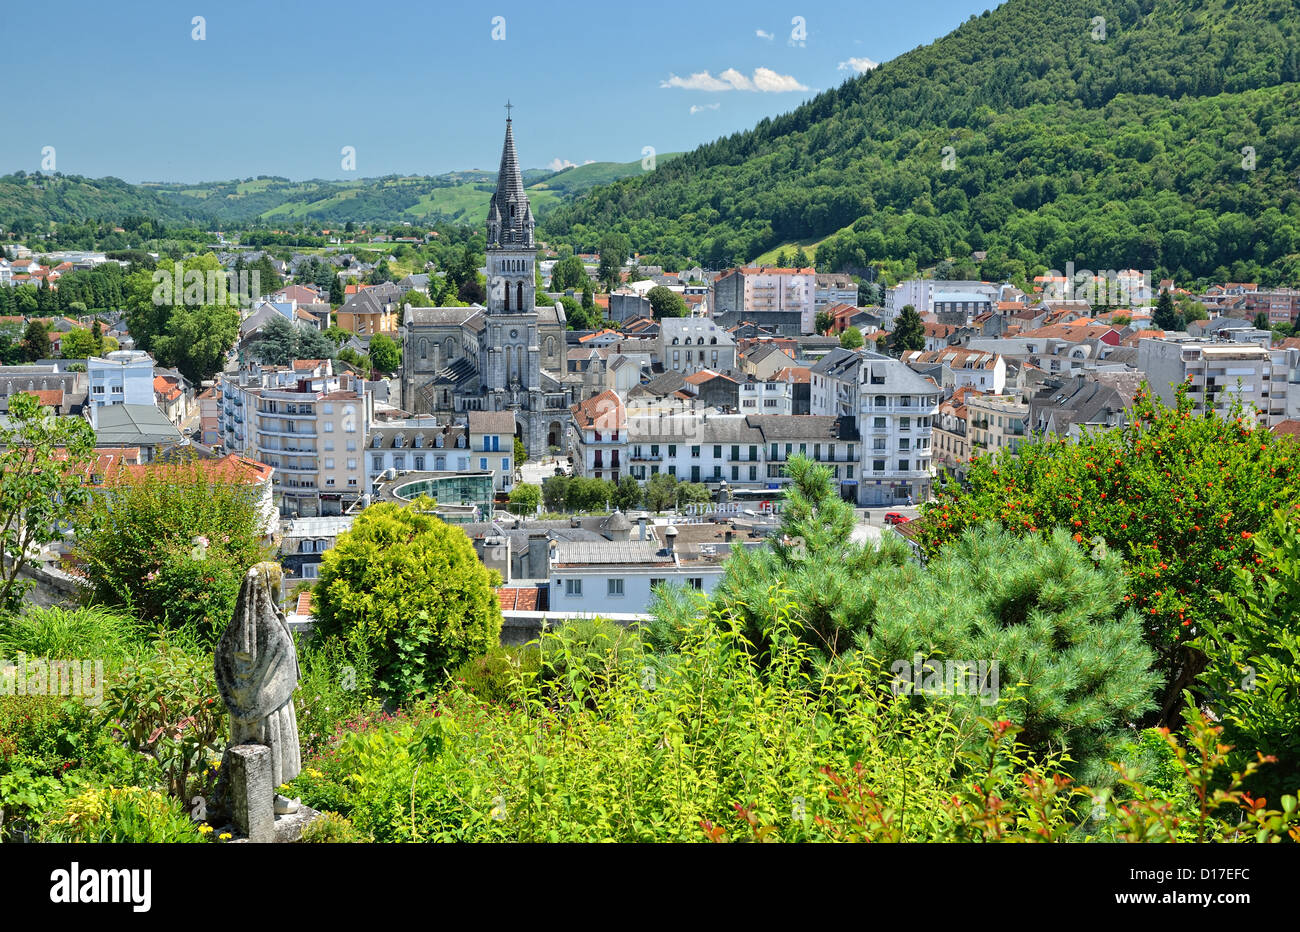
279	87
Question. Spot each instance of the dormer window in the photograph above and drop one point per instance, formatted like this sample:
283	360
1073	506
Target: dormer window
399	441
376	441
419	441
437	441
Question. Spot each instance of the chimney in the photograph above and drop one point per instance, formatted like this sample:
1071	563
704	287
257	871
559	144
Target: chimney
670	540
727	538
642	522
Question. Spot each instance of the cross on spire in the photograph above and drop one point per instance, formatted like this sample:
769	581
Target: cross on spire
509	107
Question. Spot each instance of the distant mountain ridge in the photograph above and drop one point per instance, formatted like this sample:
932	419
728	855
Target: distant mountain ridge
460	196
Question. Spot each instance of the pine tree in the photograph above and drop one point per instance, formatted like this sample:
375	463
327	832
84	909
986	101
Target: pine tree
1166	316
909	332
336	291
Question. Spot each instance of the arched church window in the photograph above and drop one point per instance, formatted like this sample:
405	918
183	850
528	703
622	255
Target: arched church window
519	300
424	349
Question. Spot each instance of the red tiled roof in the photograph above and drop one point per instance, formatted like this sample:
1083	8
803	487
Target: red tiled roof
603	412
520	599
46	397
304	604
1288	428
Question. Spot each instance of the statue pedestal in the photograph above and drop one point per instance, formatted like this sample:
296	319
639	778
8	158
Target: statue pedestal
251	797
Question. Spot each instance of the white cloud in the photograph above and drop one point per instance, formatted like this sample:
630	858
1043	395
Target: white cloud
859	65
697	108
557	164
764	34
764	80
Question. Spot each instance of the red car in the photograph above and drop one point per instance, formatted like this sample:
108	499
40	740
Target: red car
893	517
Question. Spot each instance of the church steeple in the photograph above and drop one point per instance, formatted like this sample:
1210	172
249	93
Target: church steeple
510	216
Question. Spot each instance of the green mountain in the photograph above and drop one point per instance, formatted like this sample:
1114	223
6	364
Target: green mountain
455	196
1152	134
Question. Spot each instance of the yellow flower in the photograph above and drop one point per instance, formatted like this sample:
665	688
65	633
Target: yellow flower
224	836
205	829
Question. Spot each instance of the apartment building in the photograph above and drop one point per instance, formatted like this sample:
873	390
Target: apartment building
492	444
600	436
995	423
982	371
307	423
834	288
894	410
786	295
688	344
1217	374
416	444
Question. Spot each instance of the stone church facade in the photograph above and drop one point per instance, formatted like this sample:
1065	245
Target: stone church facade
507	356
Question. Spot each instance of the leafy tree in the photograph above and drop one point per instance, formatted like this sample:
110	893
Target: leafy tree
385	354
851	338
1252	676
79	343
38	502
585	493
568	273
614	250
692	493
416	299
36	341
276	343
588	297
407	591
908	333
1179	495
171	543
555	492
661	492
337	297
525	499
824	322
627	495
1261	321
521	452
664	302
313	344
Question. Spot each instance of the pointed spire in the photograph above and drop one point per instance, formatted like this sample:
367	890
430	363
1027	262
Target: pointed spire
510	202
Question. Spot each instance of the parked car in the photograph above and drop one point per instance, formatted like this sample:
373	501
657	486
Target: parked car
893	517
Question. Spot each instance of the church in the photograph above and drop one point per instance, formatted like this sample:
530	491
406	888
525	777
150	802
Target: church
507	356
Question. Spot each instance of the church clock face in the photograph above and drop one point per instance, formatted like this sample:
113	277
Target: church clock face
514	334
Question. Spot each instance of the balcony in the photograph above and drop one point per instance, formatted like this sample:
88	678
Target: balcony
273	432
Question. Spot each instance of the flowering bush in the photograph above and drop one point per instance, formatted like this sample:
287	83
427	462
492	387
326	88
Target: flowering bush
1178	495
126	814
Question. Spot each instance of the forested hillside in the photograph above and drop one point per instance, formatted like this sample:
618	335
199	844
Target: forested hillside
1113	145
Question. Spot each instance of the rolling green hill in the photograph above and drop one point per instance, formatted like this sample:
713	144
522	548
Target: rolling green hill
455	196
1035	132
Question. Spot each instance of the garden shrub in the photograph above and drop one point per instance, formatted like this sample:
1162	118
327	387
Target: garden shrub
57	633
126	814
408	590
498	675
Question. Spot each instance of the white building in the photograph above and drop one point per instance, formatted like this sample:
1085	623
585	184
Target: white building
986	372
688	344
894	409
121	377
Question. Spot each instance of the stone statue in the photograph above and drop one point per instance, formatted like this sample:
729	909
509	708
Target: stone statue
257	672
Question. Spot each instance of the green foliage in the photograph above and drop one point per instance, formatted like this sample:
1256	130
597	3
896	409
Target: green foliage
908	333
58	633
120	815
78	343
498	675
627	494
336	688
567	274
851	338
1253	658
660	492
521	452
385	354
692	493
1177	495
166	706
525	499
408	591
36	502
824	322
171	543
664	302
331	829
